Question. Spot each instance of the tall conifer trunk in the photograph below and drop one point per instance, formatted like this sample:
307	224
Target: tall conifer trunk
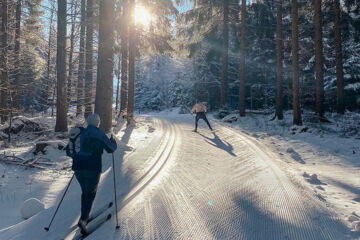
295	63
124	56
132	49
279	63
242	59
89	58
61	101
4	86
17	54
225	54
319	59
339	64
105	74
81	69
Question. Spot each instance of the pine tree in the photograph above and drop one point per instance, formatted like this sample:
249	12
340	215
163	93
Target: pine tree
61	101
4	86
242	59
80	80
89	58
17	53
319	59
295	62
279	62
339	64
132	51
225	54
104	83
124	56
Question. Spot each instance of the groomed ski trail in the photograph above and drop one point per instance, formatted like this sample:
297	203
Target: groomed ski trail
210	185
223	185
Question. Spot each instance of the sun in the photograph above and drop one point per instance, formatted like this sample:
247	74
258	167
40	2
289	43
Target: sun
142	16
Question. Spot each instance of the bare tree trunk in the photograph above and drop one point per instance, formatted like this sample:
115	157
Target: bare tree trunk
225	54
132	49
105	74
295	62
89	58
61	101
72	42
4	108
242	59
118	69
124	56
17	55
80	81
279	63
319	59
339	64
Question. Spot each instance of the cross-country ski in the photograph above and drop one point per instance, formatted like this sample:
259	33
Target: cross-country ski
92	217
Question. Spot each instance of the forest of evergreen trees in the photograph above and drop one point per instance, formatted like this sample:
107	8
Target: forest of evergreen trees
92	55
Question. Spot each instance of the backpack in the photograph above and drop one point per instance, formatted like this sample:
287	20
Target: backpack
73	146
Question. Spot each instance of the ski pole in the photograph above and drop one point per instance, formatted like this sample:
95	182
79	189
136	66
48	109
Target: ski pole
116	209
67	187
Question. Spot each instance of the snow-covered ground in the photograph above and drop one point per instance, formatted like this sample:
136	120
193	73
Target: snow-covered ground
322	157
252	179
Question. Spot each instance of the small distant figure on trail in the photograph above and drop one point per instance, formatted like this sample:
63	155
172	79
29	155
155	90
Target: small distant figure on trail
87	164
200	110
122	114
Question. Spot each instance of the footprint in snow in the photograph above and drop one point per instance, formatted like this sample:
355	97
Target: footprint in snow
296	156
313	179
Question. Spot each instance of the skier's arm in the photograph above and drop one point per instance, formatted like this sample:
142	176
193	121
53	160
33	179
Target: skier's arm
109	144
193	110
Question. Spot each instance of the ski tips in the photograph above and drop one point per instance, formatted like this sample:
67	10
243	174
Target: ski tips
46	229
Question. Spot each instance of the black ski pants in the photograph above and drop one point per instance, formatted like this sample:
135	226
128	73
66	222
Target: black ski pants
201	115
88	181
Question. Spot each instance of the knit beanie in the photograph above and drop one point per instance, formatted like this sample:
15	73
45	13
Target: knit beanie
93	120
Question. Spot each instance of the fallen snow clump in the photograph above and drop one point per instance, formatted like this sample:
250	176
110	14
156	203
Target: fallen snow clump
31	207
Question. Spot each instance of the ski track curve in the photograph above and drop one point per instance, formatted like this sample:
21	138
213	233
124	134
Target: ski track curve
223	185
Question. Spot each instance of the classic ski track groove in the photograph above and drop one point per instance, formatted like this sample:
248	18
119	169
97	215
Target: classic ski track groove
157	166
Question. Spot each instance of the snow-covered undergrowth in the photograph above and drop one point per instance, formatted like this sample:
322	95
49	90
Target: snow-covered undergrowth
27	171
321	157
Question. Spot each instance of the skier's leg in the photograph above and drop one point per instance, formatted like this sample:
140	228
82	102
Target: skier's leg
196	121
92	180
80	176
207	122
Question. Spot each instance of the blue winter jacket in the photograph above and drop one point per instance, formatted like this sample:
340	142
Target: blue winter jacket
93	141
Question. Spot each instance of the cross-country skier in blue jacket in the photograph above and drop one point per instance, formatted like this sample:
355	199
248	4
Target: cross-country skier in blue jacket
87	164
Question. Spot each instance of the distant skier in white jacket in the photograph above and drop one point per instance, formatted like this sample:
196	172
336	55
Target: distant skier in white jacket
200	110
